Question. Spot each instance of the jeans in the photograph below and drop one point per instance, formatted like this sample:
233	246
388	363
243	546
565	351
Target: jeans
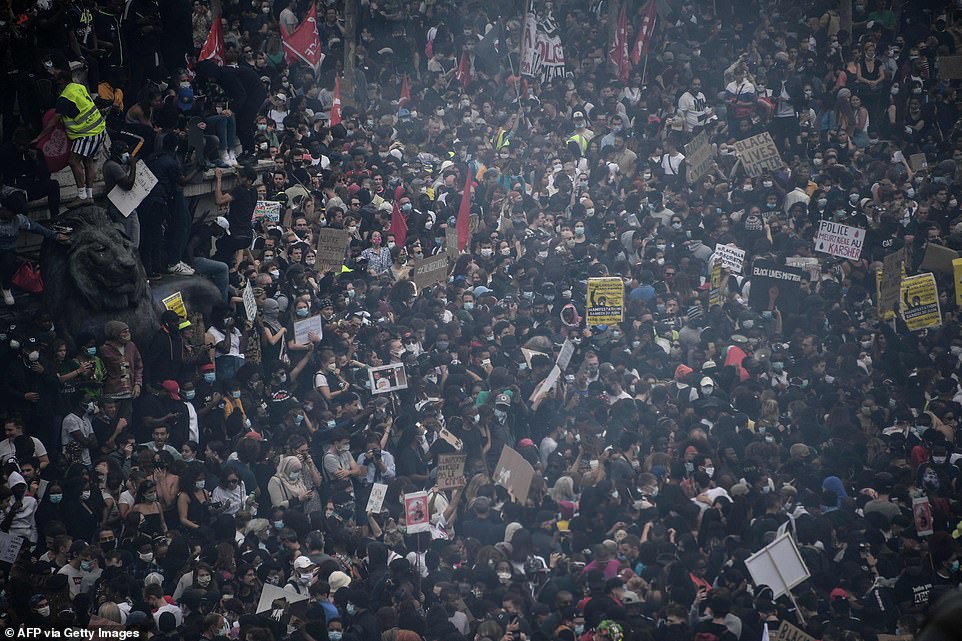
226	130
43	188
214	270
154	212
178	228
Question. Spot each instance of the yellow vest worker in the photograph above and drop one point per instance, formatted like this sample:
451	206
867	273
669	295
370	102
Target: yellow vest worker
88	121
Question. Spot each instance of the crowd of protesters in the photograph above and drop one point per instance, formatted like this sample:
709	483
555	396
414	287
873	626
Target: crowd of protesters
165	485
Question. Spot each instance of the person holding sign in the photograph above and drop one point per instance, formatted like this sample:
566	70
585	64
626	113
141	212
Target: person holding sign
120	170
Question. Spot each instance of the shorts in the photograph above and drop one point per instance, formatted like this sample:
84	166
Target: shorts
88	146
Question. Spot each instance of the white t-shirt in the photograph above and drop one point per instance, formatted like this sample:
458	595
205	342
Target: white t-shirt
73	424
7	448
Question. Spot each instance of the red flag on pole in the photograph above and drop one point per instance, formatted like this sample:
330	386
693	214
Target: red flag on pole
213	48
464	215
464	69
336	105
645	30
304	44
399	226
405	96
618	54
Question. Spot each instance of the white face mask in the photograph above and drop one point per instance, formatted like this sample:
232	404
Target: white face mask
710	471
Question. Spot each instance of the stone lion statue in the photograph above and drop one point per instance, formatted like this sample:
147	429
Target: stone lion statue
97	276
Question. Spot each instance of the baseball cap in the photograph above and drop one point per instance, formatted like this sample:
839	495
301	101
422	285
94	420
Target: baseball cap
223	223
172	388
302	563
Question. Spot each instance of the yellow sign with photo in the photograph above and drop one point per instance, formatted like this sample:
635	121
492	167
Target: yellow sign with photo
606	301
175	303
919	302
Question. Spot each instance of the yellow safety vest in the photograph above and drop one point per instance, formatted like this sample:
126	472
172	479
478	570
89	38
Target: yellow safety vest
582	141
89	122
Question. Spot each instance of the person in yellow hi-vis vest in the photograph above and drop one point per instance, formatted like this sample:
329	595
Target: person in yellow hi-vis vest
86	130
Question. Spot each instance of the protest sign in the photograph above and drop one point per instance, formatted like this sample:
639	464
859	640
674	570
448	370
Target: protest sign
175	303
922	511
376	500
267	209
919	302
331	246
445	435
271	593
918	162
416	515
938	258
811	265
451	470
774	285
731	257
714	283
788	632
758	154
890	280
451	242
10	545
545	386
430	271
304	327
513	472
528	353
699	154
387	378
250	303
957	273
606	301
127	200
779	565
950	67
564	356
839	240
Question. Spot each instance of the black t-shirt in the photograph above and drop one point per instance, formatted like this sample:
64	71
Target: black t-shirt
241	211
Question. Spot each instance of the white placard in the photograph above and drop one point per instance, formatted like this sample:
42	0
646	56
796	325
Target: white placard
127	200
416	514
10	547
731	257
304	327
250	304
376	500
839	240
564	356
270	593
387	378
779	565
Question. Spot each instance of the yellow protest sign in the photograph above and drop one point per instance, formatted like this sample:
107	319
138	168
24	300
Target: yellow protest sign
606	301
957	271
175	303
919	302
714	279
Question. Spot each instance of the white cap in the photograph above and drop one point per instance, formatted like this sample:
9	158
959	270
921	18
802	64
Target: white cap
302	563
223	223
707	381
577	114
281	96
338	580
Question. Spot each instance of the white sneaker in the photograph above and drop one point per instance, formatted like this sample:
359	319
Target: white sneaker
90	193
232	159
225	157
181	269
81	193
190	270
8	297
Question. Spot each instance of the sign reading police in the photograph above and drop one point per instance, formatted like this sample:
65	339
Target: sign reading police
839	240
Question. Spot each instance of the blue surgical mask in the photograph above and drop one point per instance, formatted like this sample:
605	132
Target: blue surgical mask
351	609
56	498
189	395
331	425
406	207
91	351
279	525
298	419
334	635
303	312
210	377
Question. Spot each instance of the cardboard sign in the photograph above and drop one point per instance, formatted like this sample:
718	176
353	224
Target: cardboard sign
957	274
271	593
304	327
269	209
546	385
513	472
788	632
950	67
699	154
451	242
376	501
416	515
918	162
839	240
922	511
938	258
714	284
10	545
774	285
445	435
387	378
127	200
890	281
606	301
331	247
731	257
564	356
758	154
919	302
811	265
451	471
175	303
430	271
250	303
528	353
779	565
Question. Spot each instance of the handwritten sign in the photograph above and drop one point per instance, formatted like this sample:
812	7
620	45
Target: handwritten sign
10	545
839	240
175	303
269	209
430	271
127	200
890	282
758	154
250	303
451	470
789	632
731	257
331	247
564	356
699	155
514	473
304	327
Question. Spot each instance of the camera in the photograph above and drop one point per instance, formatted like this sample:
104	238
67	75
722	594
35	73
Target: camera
376	454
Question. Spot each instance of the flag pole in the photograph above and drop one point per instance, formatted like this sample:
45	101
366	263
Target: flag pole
644	71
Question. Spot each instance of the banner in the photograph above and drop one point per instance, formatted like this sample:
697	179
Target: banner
304	44
250	303
542	54
919	302
513	472
430	271
731	257
606	301
416	515
774	285
387	378
645	31
758	154
890	283
529	38
839	240
451	471
127	200
618	54
699	155
213	48
331	246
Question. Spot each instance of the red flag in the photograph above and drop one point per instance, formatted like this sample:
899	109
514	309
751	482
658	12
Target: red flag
399	226
464	69
647	27
304	44
336	105
464	215
213	48
618	54
405	97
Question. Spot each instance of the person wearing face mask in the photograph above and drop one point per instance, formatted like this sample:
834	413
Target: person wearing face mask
120	171
378	256
81	571
286	488
77	431
194	507
228	342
